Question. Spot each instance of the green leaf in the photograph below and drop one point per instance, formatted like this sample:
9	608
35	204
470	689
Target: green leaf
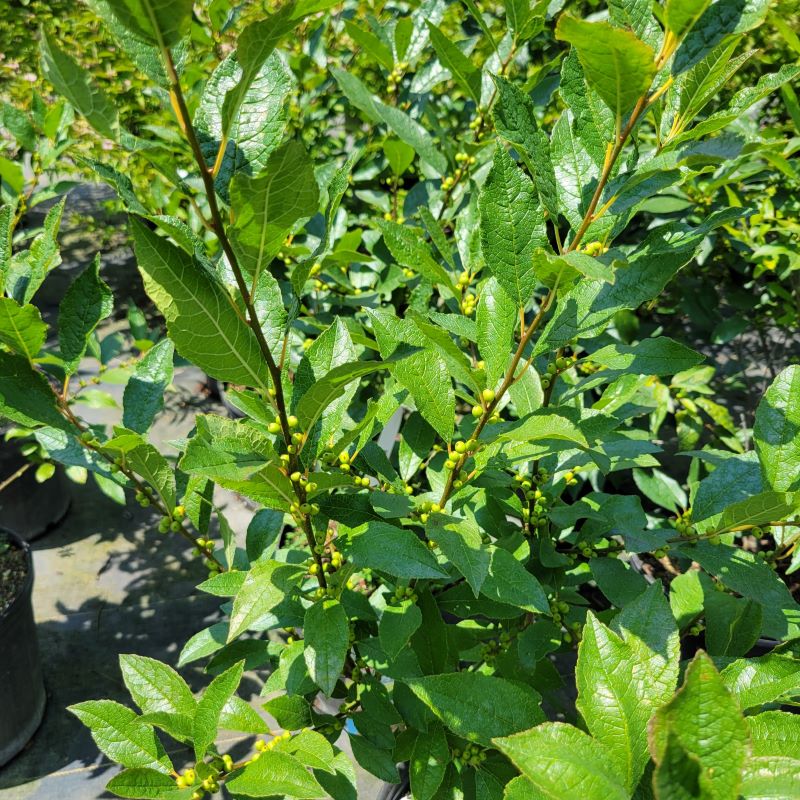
77	86
155	21
142	783
430	756
26	396
461	541
512	227
156	687
376	760
311	749
147	462
121	735
21	328
478	707
397	551
213	700
405	128
291	712
370	44
776	432
408	248
239	715
775	733
657	356
706	721
266	585
280	774
202	321
562	270
333	348
258	126
757	681
733	624
28	269
397	625
267	207
7	213
616	64
86	303
509	582
326	633
143	397
515	120
463	71
496	321
680	16
554	755
678	775
254	48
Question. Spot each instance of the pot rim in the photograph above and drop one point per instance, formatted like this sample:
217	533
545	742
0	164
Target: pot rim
27	586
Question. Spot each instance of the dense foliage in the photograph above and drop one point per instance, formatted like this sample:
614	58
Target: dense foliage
409	240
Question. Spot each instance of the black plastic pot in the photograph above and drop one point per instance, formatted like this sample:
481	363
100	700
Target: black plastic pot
28	507
22	695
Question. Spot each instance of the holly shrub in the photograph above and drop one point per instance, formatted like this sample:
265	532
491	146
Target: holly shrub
403	238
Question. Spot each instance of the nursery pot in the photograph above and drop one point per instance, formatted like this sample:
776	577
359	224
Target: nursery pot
22	695
26	506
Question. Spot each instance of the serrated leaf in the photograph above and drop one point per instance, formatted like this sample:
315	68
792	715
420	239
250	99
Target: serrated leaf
142	783
21	328
430	756
326	633
156	687
209	707
478	707
122	736
239	715
281	772
619	66
556	757
86	303
143	397
202	320
496	321
258	126
265	208
461	541
463	71
757	681
76	85
706	721
658	356
26	397
512	227
776	432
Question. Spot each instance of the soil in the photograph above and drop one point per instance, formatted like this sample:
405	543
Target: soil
13	571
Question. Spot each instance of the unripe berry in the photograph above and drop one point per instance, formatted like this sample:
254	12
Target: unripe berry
274	427
293	421
488	395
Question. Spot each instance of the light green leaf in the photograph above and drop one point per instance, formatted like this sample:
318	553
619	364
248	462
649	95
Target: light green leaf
86	303
326	635
267	207
202	319
775	733
291	712
512	227
159	22
495	322
556	757
397	551
282	773
757	681
478	707
258	126
562	270
143	397
77	86
21	328
680	16
143	783
619	66
209	707
706	721
311	749
121	735
156	687
776	432
397	625
370	44
7	213
239	715
265	586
